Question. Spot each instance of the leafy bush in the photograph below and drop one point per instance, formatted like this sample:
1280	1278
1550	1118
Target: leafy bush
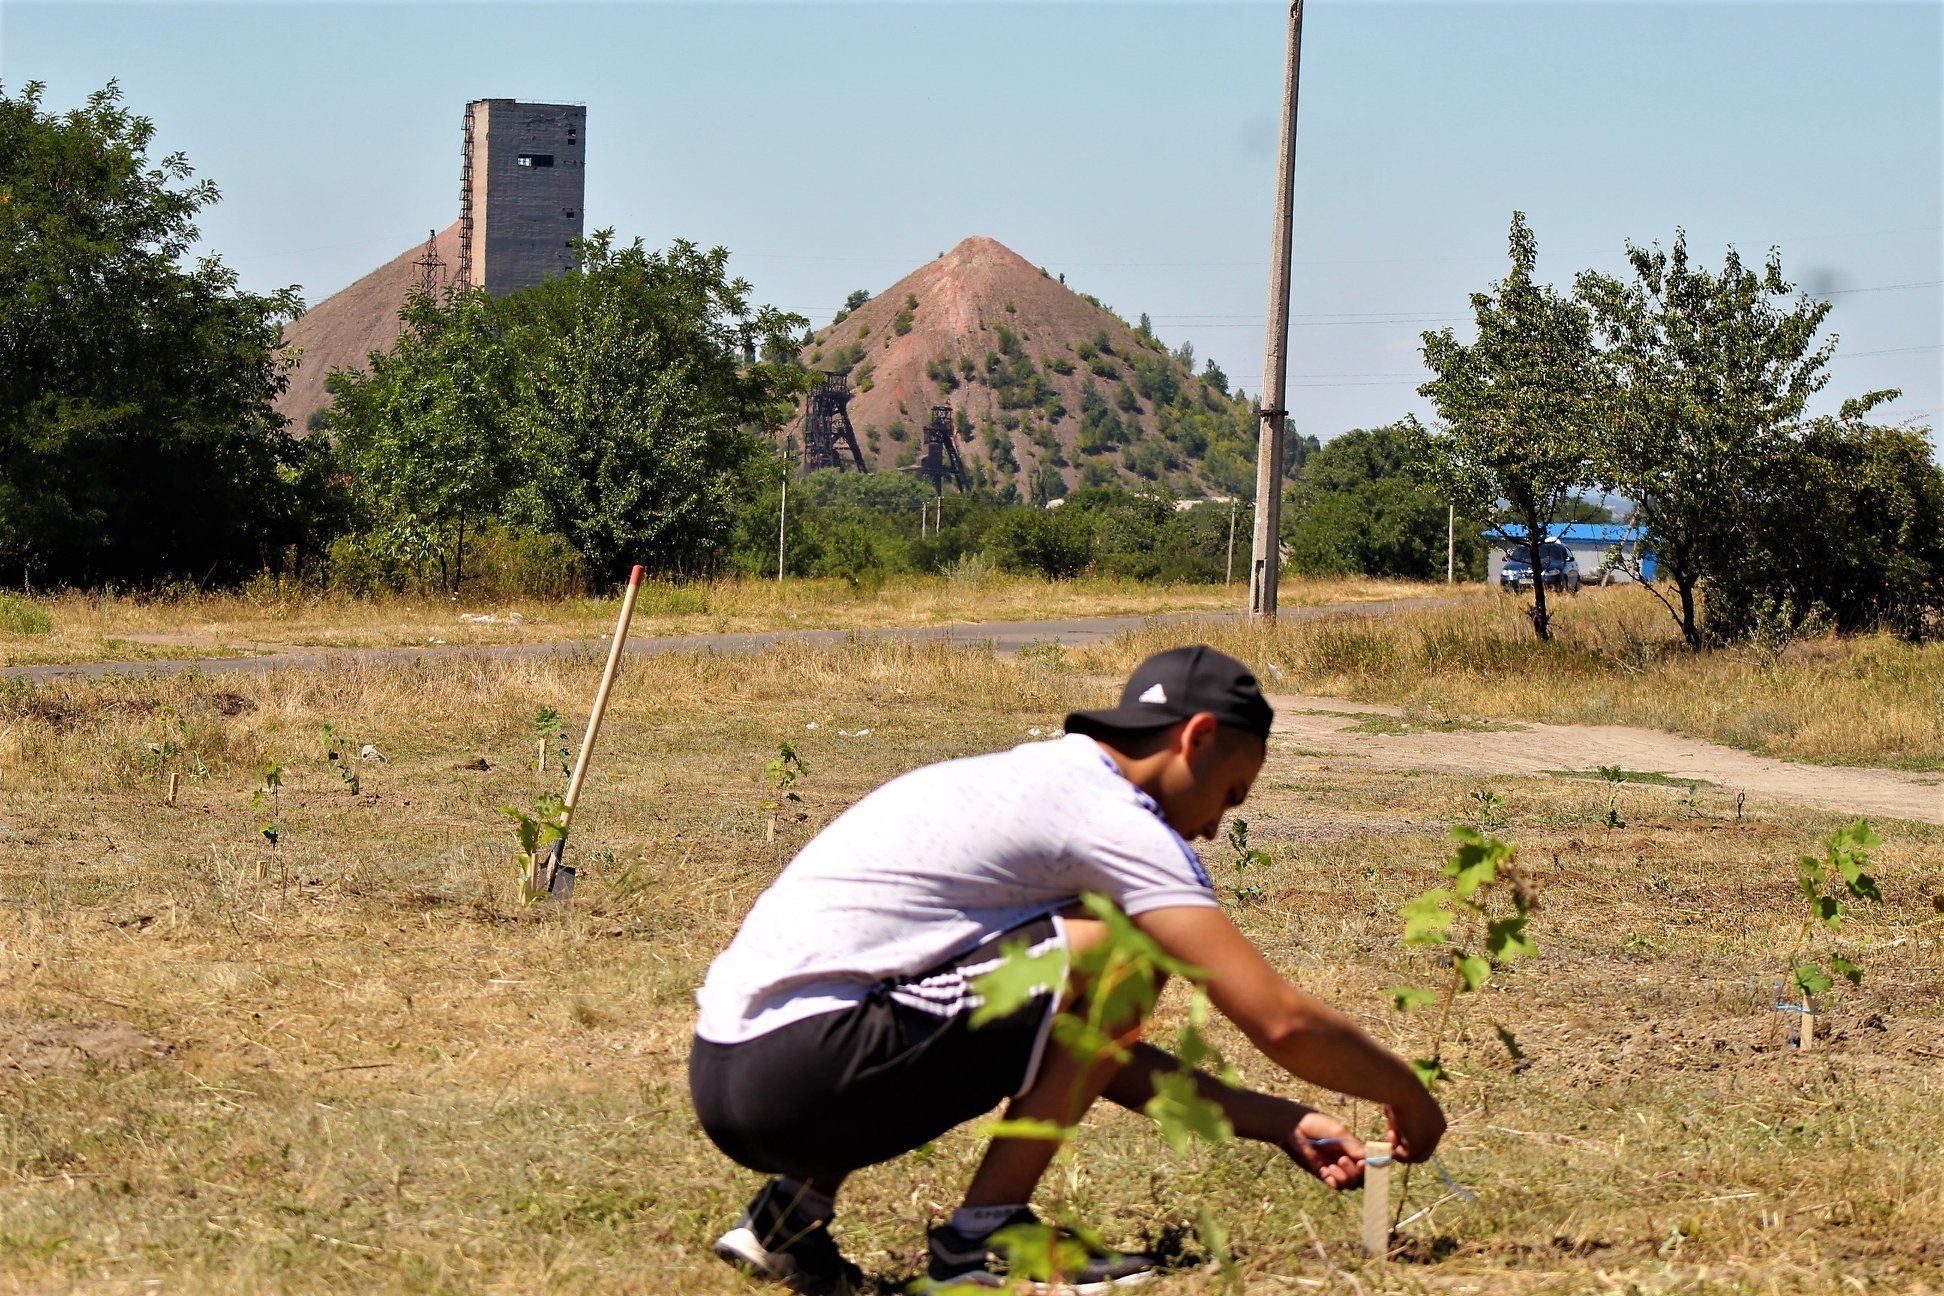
1846	527
1055	543
19	616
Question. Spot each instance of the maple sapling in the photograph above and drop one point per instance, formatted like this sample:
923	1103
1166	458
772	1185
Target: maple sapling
1829	885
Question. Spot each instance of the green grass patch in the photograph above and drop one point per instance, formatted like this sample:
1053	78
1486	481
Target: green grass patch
1399	725
20	616
1654	777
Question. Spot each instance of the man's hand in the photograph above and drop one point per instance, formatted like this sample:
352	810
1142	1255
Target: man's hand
1324	1146
1415	1128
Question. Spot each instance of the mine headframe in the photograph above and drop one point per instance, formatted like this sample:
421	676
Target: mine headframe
827	430
942	454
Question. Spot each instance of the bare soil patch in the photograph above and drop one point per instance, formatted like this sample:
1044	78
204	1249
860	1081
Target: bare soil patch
1329	728
36	1048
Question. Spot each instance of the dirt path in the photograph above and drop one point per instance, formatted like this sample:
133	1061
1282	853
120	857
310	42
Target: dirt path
1336	727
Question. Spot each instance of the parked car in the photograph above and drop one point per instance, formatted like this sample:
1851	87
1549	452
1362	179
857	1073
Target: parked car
1558	568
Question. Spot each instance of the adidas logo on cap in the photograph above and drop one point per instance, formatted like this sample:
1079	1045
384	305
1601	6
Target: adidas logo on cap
1155	694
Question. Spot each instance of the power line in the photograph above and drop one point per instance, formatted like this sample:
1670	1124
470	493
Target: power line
1857	355
1259	263
1844	292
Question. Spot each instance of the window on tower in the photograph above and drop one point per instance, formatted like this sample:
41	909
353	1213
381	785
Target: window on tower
536	159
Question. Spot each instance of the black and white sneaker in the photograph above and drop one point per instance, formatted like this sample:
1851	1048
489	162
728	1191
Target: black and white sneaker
962	1263
777	1240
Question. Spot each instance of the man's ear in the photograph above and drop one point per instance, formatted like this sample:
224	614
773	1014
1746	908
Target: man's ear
1197	734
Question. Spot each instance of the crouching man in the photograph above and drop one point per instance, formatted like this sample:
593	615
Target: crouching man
835	1031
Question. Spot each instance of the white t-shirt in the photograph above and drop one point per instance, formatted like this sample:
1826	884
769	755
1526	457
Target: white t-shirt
934	863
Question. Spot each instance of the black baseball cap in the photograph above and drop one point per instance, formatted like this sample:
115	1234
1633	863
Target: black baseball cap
1171	686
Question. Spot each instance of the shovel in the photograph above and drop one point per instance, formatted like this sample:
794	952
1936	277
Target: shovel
550	874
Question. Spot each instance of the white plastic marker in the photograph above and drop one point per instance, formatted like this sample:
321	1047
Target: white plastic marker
554	877
1376	1199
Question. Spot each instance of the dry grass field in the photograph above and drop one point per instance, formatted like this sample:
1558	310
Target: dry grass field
96	626
348	1062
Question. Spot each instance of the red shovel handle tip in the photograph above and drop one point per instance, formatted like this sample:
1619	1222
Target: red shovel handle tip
634	577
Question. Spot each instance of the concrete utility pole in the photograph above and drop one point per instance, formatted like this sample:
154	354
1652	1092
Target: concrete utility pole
782	512
1451	544
1265	567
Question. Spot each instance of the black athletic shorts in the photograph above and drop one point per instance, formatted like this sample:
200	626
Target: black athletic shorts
831	1093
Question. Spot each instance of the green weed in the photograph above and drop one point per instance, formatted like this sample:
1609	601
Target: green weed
19	616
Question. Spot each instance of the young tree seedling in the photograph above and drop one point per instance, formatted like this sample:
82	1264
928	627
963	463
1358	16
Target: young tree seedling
338	752
1614	777
783	770
1829	887
1491	807
1126	973
537	829
269	792
552	739
1479	920
1244	857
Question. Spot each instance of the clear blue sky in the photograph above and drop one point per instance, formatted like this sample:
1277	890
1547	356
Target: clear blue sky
1130	146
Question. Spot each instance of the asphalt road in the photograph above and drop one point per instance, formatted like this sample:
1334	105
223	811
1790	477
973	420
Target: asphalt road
1004	637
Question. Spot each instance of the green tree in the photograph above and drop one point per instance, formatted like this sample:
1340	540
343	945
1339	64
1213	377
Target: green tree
1365	504
1846	524
1518	408
137	438
423	429
1711	371
635	402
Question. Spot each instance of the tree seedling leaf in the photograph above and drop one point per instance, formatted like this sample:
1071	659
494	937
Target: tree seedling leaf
1018	979
1039	1252
1405	998
1473	971
1846	969
1429	1071
1426	919
1810	979
1506	938
1183	1115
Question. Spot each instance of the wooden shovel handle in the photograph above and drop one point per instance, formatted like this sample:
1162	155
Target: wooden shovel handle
601	697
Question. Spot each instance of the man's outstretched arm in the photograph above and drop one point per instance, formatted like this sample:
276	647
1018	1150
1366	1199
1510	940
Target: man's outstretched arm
1315	1140
1298	1032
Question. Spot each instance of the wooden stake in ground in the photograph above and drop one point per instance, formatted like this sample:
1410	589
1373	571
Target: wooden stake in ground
1808	1027
1376	1201
173	779
550	874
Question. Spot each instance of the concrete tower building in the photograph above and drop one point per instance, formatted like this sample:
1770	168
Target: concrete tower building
521	196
